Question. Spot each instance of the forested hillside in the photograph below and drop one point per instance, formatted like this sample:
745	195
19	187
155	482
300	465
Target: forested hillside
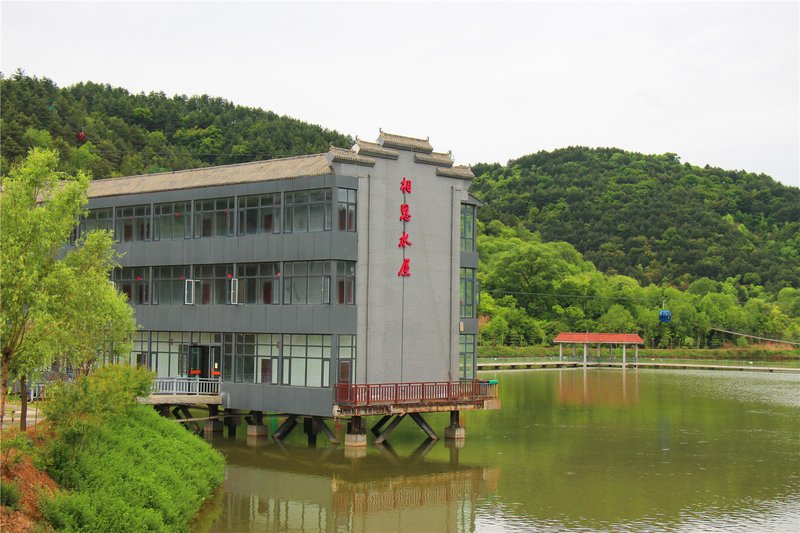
128	134
651	217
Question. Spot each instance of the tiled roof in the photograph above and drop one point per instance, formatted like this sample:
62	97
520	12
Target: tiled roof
390	140
374	149
460	172
434	158
599	338
273	169
344	155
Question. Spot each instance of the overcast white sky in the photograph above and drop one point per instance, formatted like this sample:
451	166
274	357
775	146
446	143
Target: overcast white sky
714	82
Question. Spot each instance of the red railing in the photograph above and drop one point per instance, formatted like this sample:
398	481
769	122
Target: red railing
415	393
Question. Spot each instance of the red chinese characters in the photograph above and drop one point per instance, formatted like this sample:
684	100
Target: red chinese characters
405	218
405	215
405	268
404	241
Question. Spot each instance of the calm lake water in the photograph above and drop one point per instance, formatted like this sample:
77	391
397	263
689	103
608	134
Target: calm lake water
601	449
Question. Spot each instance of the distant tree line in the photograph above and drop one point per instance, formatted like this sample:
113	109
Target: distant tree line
126	134
531	290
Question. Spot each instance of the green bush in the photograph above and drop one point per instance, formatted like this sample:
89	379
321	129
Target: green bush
9	494
131	470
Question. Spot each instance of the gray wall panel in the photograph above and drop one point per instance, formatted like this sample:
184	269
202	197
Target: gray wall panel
323	319
278	398
469	259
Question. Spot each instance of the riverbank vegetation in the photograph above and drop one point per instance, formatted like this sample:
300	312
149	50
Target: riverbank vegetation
531	290
118	465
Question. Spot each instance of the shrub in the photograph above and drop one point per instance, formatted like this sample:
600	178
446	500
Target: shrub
117	471
9	494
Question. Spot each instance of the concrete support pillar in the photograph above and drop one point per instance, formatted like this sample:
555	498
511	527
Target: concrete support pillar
231	422
255	424
311	430
560	353
585	354
624	346
214	425
356	433
636	351
455	431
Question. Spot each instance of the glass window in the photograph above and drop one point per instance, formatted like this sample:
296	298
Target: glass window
259	283
467	293
168	284
347	359
346	208
306	360
466	369
213	218
133	223
307	282
308	211
140	348
213	284
97	219
346	282
467	228
172	221
134	282
260	214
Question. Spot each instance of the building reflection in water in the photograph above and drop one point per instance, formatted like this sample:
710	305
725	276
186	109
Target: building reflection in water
273	487
598	387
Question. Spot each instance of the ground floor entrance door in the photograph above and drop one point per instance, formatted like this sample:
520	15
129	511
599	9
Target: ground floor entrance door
204	361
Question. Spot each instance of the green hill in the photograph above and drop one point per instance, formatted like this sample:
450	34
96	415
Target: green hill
130	134
651	217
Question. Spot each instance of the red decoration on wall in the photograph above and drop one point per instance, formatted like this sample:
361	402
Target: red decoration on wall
405	269
405	185
405	216
404	241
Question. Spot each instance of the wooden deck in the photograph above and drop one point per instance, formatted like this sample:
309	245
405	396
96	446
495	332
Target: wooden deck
182	399
607	364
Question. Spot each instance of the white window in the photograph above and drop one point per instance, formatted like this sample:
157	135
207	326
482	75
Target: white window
188	292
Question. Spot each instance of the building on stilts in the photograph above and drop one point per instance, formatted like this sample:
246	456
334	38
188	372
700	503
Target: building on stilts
339	284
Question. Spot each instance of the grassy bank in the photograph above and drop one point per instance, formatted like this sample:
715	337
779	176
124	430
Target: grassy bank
118	466
753	353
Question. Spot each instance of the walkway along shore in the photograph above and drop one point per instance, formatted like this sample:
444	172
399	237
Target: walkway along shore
670	366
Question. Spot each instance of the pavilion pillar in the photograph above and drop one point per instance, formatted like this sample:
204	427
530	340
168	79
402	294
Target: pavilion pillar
636	350
585	353
624	346
560	351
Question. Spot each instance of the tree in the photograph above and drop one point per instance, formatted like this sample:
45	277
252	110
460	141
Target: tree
52	304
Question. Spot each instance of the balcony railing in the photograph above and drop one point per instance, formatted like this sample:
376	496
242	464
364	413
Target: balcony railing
183	385
415	393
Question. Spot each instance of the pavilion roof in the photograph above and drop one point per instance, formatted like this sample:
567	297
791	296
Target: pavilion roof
598	338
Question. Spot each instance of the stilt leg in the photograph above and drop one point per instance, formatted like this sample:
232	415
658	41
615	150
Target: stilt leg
385	433
376	429
454	430
416	417
326	430
286	427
